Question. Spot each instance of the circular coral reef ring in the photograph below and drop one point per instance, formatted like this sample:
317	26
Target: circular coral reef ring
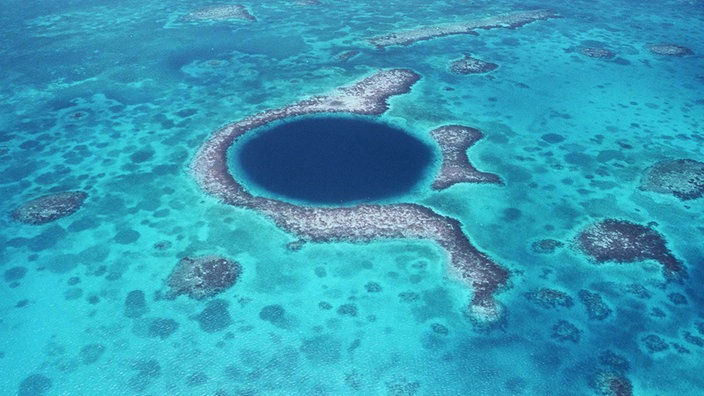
620	241
360	223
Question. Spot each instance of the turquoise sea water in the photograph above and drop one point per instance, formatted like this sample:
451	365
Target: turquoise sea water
114	99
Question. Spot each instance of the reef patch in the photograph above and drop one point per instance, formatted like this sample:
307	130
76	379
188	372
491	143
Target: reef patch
620	241
203	277
598	53
48	208
682	178
469	65
220	13
669	49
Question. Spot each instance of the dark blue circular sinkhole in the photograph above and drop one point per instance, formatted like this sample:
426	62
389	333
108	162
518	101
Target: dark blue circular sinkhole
336	160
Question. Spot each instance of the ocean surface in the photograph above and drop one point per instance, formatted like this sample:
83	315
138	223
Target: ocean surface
114	98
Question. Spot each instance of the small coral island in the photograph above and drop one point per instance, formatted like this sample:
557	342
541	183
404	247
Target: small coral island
360	223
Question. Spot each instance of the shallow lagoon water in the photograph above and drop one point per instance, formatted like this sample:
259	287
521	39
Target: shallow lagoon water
114	99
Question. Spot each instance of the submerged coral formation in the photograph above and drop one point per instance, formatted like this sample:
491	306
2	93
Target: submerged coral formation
50	207
609	383
510	20
546	246
549	298
469	65
683	178
203	277
454	140
669	49
220	13
595	52
595	305
361	223
621	241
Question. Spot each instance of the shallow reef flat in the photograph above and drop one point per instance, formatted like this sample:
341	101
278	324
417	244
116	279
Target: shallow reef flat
509	20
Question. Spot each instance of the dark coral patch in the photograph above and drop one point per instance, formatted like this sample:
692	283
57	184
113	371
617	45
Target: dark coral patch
565	331
91	353
621	241
162	328
373	287
34	385
553	138
682	178
14	274
322	349
214	317
654	343
274	314
347	310
203	277
50	207
196	379
608	383
599	53
147	371
669	49
595	305
614	361
693	339
546	246
126	236
135	304
549	298
677	298
469	65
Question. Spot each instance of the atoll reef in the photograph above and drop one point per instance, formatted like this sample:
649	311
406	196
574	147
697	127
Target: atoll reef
360	223
202	277
220	13
469	65
669	49
683	178
620	241
50	207
510	20
454	140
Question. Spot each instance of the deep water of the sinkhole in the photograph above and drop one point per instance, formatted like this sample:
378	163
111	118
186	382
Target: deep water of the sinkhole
333	160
